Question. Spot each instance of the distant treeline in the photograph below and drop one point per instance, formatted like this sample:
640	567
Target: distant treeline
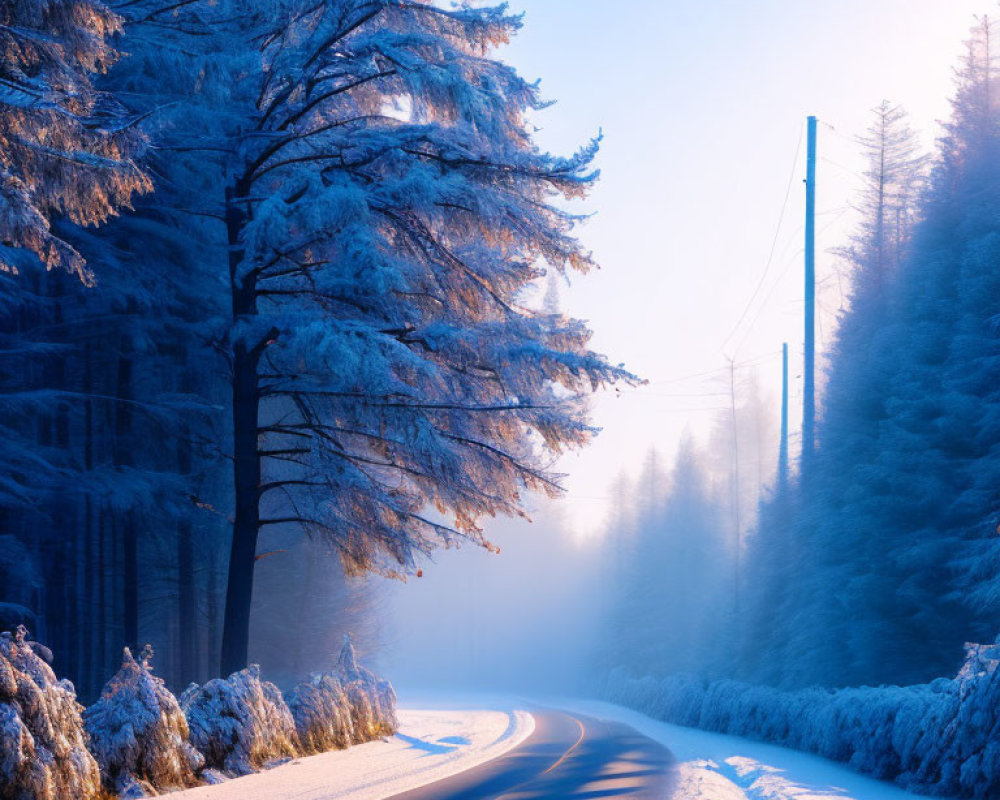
878	559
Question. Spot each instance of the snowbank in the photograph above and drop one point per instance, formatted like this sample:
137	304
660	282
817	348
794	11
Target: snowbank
241	723
43	752
430	746
941	738
139	734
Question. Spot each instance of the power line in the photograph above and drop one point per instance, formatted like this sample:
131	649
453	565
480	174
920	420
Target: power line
838	165
774	245
845	137
749	362
792	261
684	378
682	394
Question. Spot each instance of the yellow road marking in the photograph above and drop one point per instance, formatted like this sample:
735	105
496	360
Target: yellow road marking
583	732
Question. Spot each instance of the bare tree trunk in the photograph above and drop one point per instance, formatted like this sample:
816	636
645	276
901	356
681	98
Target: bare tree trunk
211	641
246	459
91	674
124	458
186	621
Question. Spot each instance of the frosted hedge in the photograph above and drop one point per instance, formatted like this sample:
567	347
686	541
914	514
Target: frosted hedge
43	745
349	705
241	723
941	738
138	740
139	734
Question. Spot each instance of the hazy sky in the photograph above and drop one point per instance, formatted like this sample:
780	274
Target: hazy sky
702	105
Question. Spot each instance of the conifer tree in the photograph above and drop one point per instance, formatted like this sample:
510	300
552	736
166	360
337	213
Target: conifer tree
388	213
894	536
65	149
360	180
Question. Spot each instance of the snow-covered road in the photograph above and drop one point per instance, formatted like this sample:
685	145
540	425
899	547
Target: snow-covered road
569	756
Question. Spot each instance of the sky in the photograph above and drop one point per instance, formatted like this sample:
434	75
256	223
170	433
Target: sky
702	106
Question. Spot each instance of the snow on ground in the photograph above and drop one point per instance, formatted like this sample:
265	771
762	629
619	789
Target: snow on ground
446	736
430	746
717	767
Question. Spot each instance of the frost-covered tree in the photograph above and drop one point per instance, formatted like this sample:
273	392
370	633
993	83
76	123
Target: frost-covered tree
43	744
673	598
68	151
384	216
139	735
888	200
892	535
239	723
66	155
65	149
350	218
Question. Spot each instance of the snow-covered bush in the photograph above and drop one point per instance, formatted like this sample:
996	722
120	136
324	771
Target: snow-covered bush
941	738
240	723
349	706
373	700
139	734
43	750
322	713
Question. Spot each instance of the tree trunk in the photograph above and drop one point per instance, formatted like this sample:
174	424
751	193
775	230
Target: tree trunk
91	674
187	624
123	458
246	459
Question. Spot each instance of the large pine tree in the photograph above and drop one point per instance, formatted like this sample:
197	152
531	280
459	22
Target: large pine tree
385	217
350	215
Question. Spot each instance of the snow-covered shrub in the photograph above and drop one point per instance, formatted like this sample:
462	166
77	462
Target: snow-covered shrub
322	713
240	723
372	700
941	738
349	706
139	734
43	749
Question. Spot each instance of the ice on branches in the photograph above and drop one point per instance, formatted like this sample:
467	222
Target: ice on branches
240	723
43	751
139	734
65	149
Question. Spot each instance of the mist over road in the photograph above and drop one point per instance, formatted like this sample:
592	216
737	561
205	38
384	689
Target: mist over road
567	756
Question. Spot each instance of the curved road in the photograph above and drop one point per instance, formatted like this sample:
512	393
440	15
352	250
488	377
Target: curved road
567	757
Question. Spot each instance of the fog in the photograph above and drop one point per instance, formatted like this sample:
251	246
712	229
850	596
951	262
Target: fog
527	618
558	608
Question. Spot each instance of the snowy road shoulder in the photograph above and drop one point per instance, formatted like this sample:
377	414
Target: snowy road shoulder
430	746
717	767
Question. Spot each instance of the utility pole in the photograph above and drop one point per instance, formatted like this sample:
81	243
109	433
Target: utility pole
809	384
783	447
